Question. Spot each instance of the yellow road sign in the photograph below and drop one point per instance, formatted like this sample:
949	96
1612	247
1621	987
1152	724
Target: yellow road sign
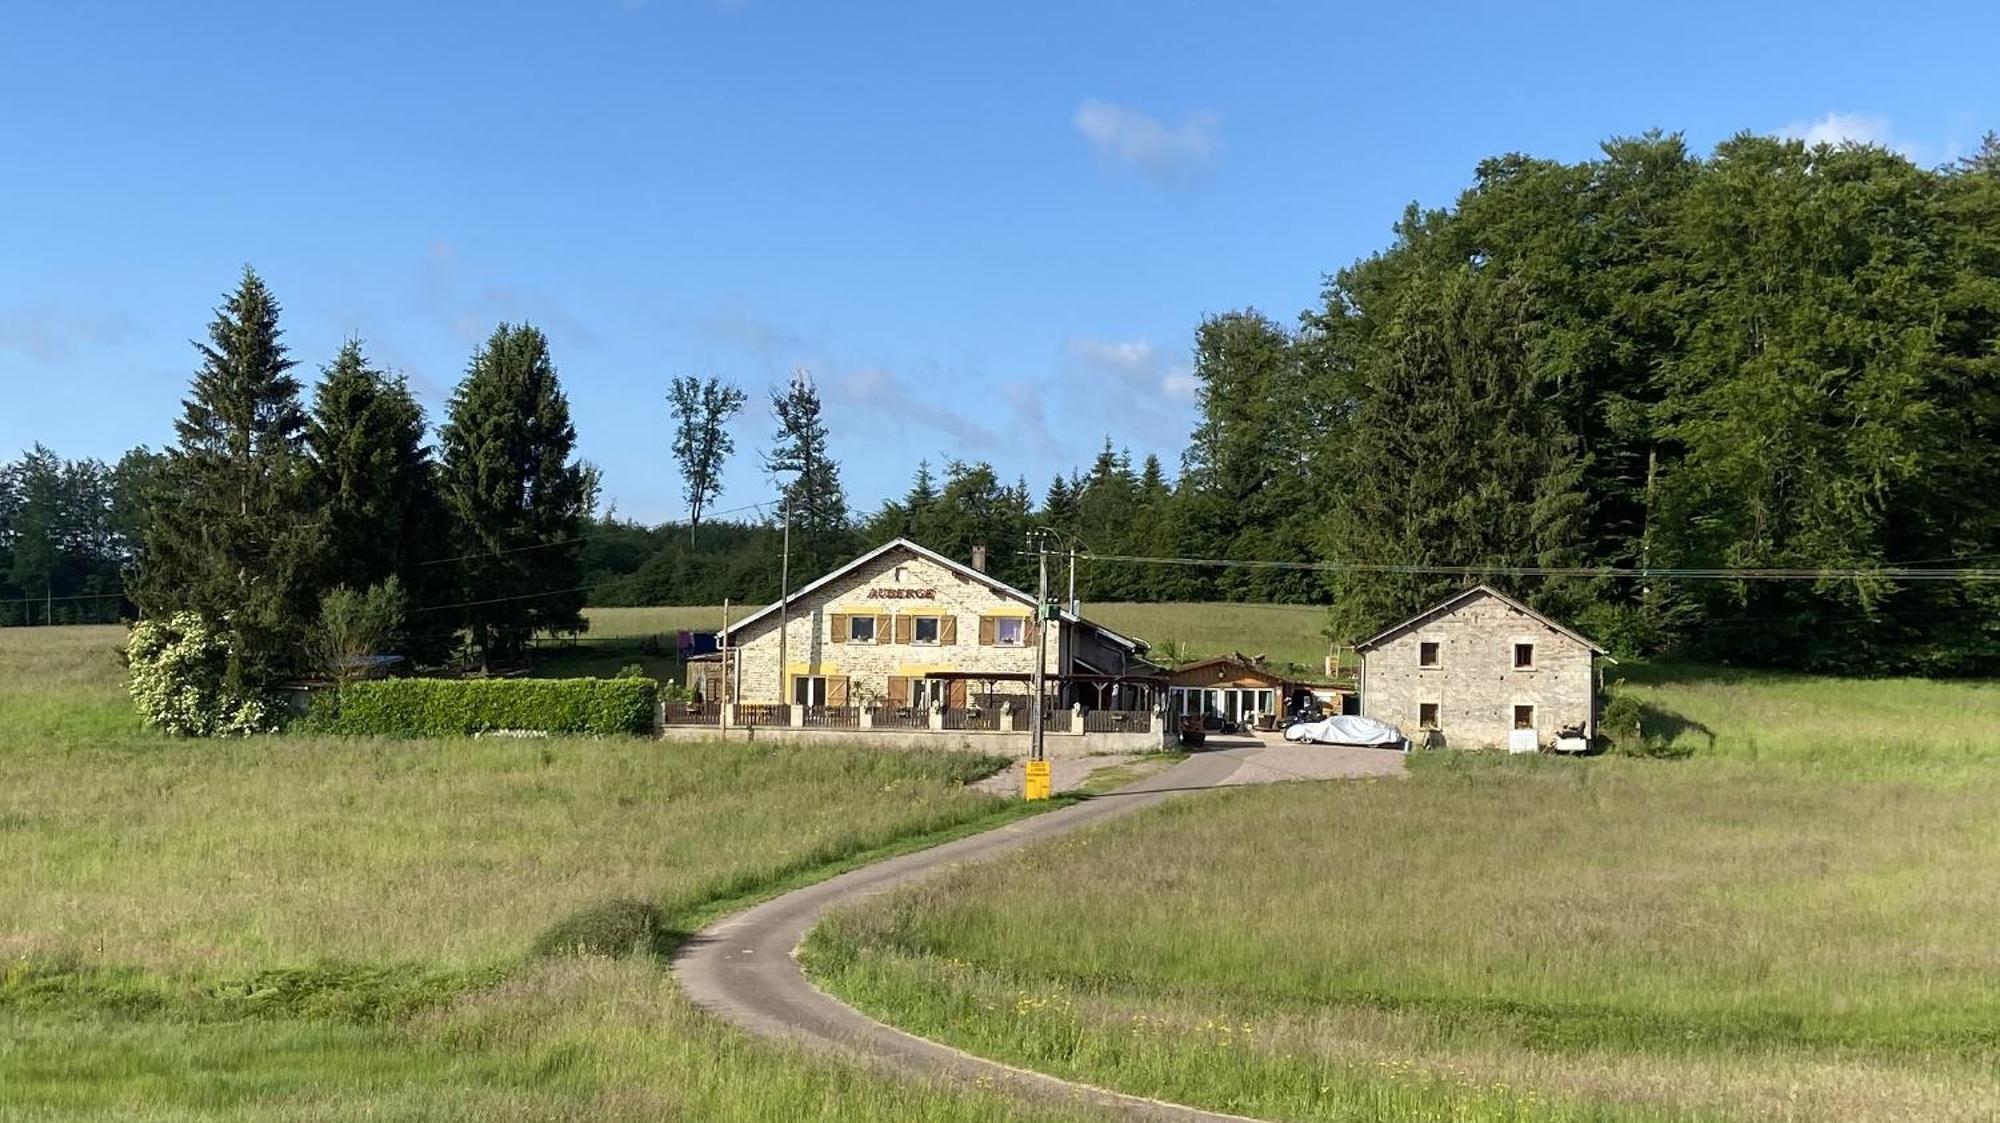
1037	784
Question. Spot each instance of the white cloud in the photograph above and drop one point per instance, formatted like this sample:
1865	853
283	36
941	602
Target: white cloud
1171	155
1848	128
1137	364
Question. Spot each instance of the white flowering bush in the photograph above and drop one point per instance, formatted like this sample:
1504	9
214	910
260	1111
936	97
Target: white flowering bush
179	666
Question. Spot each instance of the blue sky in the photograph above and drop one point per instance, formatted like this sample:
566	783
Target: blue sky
988	231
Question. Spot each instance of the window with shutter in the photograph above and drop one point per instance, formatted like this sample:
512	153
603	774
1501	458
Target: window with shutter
948	630
987	626
839	627
836	690
881	629
899	691
905	629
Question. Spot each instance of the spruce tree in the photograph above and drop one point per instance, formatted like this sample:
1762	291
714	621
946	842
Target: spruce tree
1456	458
232	534
813	497
516	498
375	483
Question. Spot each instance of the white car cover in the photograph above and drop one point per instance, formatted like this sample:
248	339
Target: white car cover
1345	730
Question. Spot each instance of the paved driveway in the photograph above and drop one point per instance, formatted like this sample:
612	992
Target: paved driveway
743	971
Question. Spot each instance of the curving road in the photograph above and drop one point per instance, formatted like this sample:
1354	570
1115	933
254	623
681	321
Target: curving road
743	969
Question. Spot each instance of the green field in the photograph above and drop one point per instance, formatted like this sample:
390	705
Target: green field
299	927
1799	921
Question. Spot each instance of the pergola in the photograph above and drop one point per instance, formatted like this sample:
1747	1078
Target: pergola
1104	691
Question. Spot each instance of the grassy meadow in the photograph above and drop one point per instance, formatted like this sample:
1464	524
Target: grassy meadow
1798	921
294	927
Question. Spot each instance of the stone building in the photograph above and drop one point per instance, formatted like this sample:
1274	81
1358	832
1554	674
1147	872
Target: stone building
905	626
1481	670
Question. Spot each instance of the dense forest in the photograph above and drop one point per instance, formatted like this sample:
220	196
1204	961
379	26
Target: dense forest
1774	356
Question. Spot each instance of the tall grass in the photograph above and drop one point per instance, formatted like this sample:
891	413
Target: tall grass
292	927
1798	921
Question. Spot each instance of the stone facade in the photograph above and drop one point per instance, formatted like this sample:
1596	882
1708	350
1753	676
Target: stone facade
1474	682
893	591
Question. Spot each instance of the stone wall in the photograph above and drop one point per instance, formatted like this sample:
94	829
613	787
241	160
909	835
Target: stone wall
1475	684
897	584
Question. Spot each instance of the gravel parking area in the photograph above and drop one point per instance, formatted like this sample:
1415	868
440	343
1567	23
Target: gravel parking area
1275	761
1065	775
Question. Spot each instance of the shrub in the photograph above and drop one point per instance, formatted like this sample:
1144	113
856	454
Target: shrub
179	669
452	707
614	928
1633	728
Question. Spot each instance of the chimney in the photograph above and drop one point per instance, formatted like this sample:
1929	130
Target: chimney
979	558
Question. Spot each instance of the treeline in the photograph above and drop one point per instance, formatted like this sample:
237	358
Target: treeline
68	530
311	534
1775	357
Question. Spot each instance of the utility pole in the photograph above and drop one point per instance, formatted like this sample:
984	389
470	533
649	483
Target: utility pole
784	599
1074	611
1041	656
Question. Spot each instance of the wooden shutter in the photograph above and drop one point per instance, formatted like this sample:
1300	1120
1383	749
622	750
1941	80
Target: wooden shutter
836	690
947	630
903	624
987	626
955	693
899	691
840	627
881	629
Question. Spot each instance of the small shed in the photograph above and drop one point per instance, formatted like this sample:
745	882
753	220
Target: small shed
1481	670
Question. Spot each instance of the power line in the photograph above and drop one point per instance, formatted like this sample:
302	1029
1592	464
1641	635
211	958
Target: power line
1889	573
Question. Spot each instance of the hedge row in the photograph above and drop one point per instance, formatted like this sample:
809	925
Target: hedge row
428	707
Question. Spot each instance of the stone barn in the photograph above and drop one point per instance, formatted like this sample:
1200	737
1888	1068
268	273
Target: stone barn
1481	670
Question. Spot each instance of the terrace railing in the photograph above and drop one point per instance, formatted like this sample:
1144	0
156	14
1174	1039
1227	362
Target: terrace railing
759	714
691	713
899	717
832	717
1117	721
986	718
1056	719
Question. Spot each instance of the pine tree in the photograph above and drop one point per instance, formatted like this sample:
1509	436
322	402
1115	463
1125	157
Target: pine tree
516	499
814	500
375	483
232	535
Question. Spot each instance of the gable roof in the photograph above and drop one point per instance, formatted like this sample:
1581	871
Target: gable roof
1452	604
1228	661
928	554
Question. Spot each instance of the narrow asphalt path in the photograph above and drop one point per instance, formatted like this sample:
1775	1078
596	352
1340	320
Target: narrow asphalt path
744	971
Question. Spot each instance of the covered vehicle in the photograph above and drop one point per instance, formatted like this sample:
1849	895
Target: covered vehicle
1345	729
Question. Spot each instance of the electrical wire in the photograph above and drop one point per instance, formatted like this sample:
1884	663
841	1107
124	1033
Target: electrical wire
1888	573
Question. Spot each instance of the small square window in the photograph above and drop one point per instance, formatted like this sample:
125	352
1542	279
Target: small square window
1427	653
1524	656
861	629
1524	717
925	630
1427	715
1010	631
